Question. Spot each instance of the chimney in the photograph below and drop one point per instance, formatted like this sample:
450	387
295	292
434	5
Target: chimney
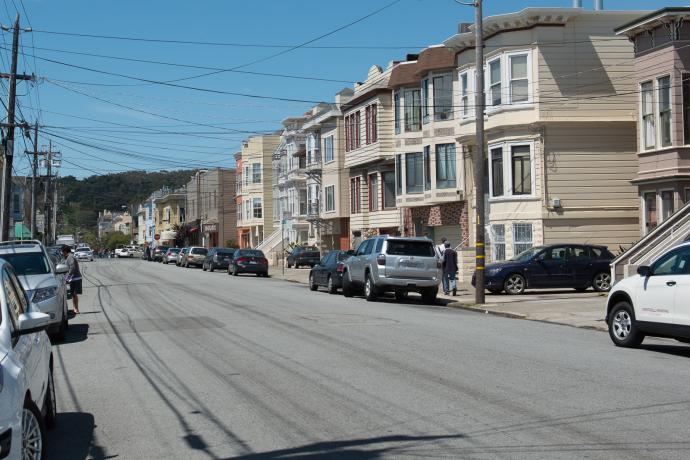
577	3
464	27
598	5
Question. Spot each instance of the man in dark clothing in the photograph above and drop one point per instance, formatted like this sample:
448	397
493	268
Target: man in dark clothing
450	268
73	276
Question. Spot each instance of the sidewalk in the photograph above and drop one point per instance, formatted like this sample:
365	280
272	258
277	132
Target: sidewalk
560	306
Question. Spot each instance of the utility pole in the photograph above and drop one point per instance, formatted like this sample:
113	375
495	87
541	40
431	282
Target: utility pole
480	252
34	167
9	140
47	230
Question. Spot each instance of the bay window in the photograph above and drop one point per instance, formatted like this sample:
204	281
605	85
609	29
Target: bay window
373	192
510	162
664	88
519	82
398	174
495	82
256	173
396	111
520	158
650	218
445	166
370	122
647	90
257	208
414	168
413	110
443	97
303	202
330	198
355	184
388	192
425	101
497	172
667	206
328	149
427	167
464	94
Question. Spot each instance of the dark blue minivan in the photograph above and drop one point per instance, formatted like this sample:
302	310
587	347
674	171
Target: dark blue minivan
577	266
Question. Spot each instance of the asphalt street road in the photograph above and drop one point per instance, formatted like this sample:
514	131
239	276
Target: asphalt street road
168	363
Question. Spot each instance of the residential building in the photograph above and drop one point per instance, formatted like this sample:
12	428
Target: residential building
559	127
145	228
169	213
369	157
430	185
211	207
327	179
241	229
290	182
112	221
255	207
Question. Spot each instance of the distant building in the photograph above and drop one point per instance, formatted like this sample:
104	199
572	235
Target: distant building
211	208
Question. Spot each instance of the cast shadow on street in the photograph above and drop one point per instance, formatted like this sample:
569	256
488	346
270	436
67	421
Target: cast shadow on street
681	350
345	450
72	438
76	333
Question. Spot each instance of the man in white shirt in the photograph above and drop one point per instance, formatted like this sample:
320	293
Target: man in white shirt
441	248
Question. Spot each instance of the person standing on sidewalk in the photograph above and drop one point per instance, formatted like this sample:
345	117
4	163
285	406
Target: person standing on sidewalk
450	268
441	248
73	276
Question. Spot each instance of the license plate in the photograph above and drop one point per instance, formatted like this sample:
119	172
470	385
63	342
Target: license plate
252	262
410	264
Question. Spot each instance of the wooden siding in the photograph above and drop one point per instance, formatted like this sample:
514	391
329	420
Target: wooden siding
611	232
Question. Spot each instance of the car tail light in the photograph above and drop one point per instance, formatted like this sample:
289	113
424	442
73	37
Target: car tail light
381	259
242	260
340	267
263	261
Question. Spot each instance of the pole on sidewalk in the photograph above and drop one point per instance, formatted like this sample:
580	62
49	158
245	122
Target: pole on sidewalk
34	167
9	146
480	252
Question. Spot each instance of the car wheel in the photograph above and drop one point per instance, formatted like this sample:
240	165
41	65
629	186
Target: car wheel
514	284
211	267
401	296
62	331
51	402
602	282
312	285
347	285
33	432
370	291
235	271
289	265
429	295
331	287
623	327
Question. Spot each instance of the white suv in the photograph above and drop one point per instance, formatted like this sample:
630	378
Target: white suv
43	282
27	392
654	302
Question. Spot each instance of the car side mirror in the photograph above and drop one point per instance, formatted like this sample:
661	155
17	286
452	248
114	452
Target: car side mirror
644	271
61	269
31	322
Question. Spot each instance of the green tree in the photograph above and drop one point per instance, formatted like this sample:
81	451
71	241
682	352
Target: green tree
115	238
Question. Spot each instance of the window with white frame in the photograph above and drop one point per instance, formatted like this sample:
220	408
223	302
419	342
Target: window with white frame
521	164
329	191
496	169
522	237
398	174
511	162
465	94
427	167
247	209
396	110
328	149
443	97
667	206
664	88
647	91
519	80
413	110
445	166
257	208
414	168
388	179
495	82
425	101
256	173
498	243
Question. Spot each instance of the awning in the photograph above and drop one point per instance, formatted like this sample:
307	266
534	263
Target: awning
21	231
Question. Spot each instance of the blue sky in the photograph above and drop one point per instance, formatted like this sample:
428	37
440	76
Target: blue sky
177	119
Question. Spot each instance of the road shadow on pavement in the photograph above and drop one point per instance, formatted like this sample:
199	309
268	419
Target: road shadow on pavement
348	449
677	350
72	438
76	333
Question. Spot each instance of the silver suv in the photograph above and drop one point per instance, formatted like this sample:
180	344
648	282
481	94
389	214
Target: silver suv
393	264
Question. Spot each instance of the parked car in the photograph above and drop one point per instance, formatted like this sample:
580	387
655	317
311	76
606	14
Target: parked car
576	266
217	258
158	253
329	271
171	255
303	255
43	282
181	255
27	390
122	251
135	251
393	264
83	253
248	261
195	257
654	302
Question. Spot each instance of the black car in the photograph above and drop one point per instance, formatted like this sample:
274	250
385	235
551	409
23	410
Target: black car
577	266
217	258
329	271
158	253
303	255
248	261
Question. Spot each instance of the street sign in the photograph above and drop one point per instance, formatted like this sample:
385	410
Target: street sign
157	237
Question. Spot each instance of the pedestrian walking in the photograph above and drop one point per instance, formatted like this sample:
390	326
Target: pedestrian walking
441	248
450	268
73	276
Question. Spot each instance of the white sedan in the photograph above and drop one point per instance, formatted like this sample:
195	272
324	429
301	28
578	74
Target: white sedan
83	253
27	392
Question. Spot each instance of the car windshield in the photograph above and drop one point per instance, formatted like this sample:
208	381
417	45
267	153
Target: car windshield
201	251
174	250
83	249
250	253
28	263
410	248
528	254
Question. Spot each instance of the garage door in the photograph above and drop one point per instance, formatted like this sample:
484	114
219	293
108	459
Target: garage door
452	232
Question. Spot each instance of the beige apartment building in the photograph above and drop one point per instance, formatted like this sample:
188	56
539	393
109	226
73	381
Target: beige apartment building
254	190
369	157
211	207
327	179
559	126
430	185
169	211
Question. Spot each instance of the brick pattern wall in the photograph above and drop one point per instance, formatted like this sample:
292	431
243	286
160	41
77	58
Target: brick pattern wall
443	214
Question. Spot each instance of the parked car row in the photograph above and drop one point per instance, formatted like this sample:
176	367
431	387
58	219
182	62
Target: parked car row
234	261
32	303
